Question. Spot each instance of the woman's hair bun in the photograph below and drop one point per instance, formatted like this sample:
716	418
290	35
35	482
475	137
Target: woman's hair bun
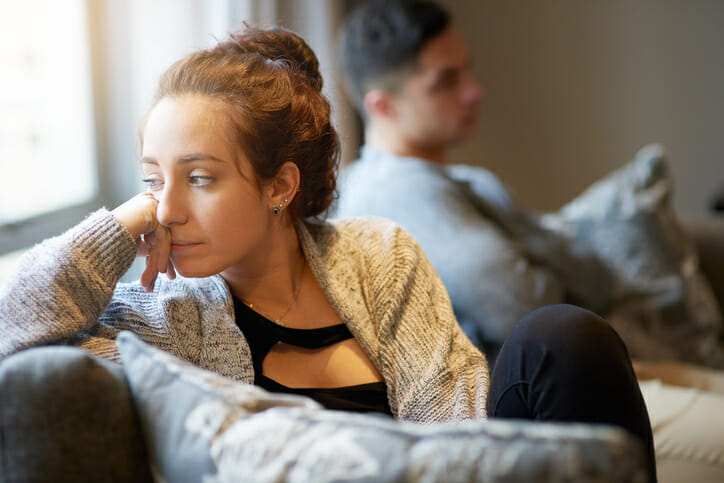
279	44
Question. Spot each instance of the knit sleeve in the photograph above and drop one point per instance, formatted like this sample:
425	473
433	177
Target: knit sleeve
433	372
62	285
491	277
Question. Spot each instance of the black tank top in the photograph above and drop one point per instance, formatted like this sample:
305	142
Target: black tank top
261	335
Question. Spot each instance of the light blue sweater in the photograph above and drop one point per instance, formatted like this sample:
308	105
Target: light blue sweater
487	251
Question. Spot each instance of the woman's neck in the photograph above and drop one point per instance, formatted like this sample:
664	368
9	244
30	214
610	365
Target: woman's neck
270	279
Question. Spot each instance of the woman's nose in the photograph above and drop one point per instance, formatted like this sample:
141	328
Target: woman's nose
171	206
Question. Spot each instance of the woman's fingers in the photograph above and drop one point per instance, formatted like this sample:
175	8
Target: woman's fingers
170	270
153	240
163	244
165	263
141	248
148	277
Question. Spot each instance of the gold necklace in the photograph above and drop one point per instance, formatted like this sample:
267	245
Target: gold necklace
278	320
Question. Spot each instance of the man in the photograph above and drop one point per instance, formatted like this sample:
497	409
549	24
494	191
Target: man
408	71
616	249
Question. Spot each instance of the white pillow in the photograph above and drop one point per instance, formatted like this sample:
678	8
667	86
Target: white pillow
202	427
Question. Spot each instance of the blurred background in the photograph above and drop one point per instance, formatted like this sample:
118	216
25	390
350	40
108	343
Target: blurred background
573	89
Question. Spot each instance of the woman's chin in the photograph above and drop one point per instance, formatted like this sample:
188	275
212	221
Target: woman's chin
194	272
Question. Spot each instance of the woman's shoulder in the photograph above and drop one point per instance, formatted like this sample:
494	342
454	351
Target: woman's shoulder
358	230
368	239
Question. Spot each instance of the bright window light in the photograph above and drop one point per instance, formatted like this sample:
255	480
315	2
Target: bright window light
47	149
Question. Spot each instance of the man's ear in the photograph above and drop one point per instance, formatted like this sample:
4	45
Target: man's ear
285	184
379	103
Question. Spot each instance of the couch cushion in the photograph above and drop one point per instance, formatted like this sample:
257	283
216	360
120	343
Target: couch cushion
688	438
708	236
661	303
66	415
205	427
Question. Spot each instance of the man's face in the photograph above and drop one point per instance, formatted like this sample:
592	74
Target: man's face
438	105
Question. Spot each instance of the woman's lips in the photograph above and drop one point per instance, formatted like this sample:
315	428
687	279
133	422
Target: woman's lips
182	246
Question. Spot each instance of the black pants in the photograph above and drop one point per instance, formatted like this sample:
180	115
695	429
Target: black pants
564	363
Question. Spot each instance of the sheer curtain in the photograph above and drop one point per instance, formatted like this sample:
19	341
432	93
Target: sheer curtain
136	40
131	43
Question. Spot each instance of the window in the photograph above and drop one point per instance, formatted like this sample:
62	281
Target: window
48	164
77	76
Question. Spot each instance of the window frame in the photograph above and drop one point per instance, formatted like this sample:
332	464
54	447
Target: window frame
24	233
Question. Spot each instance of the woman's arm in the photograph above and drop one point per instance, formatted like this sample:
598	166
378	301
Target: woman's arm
62	285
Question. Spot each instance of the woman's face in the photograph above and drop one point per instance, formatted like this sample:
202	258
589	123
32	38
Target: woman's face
217	215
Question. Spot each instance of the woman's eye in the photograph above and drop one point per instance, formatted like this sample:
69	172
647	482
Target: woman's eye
200	180
152	183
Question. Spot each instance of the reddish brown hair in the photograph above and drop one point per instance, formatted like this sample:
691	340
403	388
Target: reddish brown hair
269	81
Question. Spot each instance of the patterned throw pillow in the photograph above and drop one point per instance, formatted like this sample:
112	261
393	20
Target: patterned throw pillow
204	427
659	300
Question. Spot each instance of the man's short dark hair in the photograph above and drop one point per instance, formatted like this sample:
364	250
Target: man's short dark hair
381	39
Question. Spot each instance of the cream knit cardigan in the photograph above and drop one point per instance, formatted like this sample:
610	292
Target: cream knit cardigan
373	273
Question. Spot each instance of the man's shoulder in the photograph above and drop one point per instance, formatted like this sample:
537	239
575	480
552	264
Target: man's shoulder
385	184
378	165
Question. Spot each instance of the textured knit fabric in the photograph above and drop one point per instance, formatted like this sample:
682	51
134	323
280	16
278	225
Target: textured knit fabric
372	272
466	222
616	249
193	418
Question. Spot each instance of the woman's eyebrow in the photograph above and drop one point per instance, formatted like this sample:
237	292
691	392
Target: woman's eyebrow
187	158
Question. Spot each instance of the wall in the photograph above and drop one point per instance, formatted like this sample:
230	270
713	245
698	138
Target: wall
574	88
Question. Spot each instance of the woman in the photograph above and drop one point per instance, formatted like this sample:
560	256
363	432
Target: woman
239	155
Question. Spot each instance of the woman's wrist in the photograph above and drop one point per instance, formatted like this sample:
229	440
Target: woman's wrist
137	215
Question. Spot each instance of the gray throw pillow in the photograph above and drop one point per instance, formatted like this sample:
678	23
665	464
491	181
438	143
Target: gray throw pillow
204	427
660	302
66	415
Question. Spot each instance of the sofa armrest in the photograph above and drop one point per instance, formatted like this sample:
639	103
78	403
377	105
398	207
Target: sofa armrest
66	415
708	236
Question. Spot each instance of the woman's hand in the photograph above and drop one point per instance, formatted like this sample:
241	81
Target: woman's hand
138	216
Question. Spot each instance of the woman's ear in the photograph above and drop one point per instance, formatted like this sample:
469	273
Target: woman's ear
284	186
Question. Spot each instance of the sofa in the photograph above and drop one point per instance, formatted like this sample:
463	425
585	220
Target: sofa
685	400
67	415
708	236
